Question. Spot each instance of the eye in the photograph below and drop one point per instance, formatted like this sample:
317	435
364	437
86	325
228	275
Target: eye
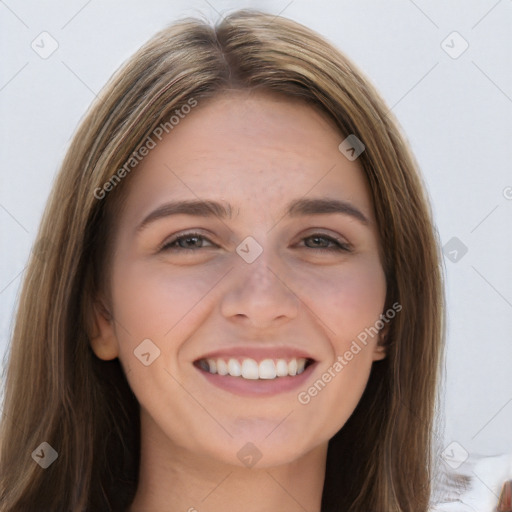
336	245
194	241
191	242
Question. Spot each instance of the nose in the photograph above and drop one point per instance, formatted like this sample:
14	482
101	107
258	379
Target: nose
259	294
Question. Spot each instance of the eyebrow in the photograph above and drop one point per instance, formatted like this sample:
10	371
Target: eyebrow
296	208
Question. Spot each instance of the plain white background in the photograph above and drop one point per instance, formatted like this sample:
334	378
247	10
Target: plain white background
455	108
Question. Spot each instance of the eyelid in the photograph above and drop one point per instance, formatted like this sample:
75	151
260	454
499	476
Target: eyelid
321	232
177	236
341	245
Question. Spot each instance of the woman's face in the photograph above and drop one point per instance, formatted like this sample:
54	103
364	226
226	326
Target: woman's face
274	277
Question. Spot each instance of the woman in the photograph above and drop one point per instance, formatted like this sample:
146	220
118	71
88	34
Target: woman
288	358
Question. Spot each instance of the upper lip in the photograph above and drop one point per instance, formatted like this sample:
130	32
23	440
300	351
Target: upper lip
257	353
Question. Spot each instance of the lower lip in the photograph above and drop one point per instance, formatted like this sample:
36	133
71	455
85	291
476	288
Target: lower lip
259	387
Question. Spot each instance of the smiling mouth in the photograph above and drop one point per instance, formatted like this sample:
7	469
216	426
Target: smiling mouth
250	369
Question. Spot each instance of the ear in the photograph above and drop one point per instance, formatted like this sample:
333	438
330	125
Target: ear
380	350
103	341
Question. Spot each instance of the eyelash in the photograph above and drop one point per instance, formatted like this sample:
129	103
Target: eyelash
339	246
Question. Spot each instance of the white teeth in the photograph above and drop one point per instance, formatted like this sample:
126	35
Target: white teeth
212	365
281	368
234	368
267	369
222	367
249	369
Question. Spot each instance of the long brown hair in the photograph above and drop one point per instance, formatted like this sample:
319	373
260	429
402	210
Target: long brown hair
57	391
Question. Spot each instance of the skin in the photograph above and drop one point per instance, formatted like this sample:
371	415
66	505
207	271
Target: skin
257	152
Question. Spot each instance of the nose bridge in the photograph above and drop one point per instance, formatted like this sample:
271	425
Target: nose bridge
257	290
261	275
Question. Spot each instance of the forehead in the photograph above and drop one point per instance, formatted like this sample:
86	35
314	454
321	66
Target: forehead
250	150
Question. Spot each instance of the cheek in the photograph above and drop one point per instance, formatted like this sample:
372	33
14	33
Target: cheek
347	302
165	305
347	298
154	301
